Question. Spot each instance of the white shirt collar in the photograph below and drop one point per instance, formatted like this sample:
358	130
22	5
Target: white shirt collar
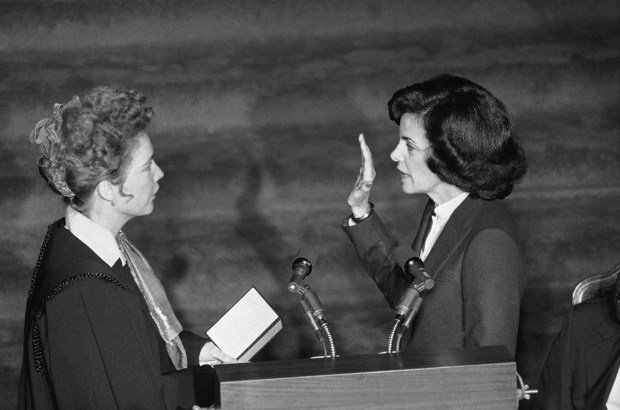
442	214
613	401
445	210
96	237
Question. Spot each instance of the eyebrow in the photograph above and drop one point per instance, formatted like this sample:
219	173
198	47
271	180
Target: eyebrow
148	161
407	139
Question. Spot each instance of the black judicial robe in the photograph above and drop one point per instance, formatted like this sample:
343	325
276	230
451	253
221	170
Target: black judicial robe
95	343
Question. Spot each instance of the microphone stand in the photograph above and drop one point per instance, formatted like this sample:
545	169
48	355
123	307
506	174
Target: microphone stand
407	308
315	315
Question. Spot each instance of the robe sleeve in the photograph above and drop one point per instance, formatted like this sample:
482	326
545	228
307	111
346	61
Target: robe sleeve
101	350
193	344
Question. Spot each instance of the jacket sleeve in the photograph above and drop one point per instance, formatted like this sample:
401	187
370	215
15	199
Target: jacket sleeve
101	352
492	284
193	344
555	384
375	248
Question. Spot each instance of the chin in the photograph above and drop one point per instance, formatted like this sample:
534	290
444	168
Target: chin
148	210
408	189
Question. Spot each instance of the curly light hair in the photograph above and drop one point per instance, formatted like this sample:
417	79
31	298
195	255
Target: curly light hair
90	140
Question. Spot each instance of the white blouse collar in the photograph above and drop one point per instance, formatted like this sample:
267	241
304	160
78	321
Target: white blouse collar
445	210
96	237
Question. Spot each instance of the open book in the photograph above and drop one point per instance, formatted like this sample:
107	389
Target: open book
246	327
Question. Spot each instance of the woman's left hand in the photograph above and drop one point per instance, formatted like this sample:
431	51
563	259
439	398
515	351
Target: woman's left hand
211	354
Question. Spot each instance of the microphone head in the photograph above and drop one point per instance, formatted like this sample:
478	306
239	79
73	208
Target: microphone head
302	266
305	256
414	267
402	254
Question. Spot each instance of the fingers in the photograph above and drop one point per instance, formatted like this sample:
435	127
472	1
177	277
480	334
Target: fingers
360	176
363	185
211	354
366	154
223	357
217	354
363	145
358	198
368	167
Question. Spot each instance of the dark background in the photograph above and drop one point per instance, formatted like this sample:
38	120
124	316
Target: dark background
258	107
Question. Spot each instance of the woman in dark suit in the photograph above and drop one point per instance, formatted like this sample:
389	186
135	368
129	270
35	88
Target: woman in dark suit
456	145
99	330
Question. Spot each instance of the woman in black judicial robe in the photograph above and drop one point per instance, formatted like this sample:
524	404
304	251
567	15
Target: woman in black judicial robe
99	330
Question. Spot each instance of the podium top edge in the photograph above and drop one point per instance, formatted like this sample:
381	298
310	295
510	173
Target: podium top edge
414	359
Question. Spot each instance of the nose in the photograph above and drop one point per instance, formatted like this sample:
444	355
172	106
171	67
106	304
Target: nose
396	154
158	174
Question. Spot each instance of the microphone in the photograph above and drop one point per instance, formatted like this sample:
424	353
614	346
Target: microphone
411	301
414	267
313	309
314	304
301	268
306	308
309	302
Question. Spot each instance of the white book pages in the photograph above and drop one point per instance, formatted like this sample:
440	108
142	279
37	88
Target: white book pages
246	327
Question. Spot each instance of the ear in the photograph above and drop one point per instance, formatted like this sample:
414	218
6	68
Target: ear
107	191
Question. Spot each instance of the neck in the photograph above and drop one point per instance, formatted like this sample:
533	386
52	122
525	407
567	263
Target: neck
105	216
444	193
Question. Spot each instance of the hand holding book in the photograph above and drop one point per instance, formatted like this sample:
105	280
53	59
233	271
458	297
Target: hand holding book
211	355
246	327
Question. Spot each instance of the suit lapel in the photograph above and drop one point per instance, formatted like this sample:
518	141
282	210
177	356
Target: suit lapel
452	236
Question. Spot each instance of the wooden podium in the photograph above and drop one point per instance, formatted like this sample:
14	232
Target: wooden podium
473	378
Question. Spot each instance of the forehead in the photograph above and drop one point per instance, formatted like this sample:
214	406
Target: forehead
411	127
143	150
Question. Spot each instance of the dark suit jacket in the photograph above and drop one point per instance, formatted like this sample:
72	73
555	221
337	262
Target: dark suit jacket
582	364
101	348
478	272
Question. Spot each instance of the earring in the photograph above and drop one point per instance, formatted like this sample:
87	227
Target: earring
114	202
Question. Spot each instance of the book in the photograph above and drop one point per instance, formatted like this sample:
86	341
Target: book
246	327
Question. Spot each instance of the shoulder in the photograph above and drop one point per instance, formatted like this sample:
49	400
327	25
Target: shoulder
476	215
65	255
593	314
494	214
492	240
65	260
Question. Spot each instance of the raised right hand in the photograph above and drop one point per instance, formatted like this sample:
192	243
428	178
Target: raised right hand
358	198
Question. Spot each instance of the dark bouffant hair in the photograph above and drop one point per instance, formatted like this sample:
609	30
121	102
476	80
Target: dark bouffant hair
470	133
95	142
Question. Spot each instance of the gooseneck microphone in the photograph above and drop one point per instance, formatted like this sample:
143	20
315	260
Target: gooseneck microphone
301	268
414	267
309	301
410	302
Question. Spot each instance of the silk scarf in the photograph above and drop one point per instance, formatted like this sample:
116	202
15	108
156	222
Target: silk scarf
156	300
